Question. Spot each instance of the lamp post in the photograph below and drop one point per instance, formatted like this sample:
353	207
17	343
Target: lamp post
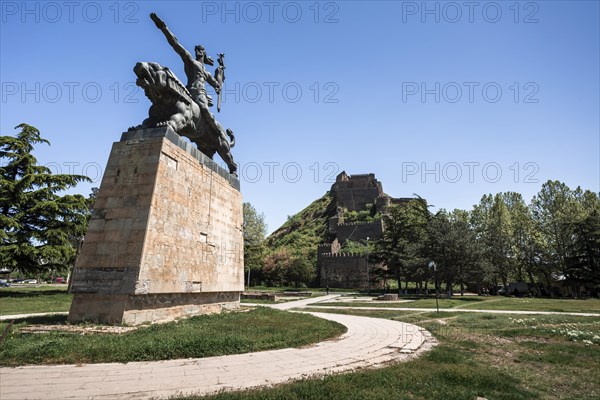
368	279
432	265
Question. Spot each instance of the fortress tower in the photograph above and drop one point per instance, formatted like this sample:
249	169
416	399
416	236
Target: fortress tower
360	195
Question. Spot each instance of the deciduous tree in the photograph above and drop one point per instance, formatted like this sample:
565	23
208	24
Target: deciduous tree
401	248
255	230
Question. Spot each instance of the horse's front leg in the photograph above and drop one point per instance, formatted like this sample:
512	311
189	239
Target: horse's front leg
178	120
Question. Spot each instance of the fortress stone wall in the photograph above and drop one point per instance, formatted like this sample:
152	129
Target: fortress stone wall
343	270
359	231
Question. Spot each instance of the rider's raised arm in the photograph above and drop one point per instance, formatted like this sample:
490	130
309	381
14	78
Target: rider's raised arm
160	24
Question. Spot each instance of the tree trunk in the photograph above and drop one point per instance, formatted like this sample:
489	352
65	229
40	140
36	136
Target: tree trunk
534	283
548	285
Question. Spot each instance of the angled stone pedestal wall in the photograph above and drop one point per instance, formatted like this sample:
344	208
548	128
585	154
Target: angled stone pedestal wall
165	239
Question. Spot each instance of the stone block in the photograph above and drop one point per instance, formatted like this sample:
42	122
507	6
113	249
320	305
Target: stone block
388	297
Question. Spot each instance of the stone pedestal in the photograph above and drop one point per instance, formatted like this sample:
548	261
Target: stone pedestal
165	239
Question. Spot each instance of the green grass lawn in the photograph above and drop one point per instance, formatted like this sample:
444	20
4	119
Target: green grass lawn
487	355
487	303
535	304
201	336
37	299
318	291
257	301
491	356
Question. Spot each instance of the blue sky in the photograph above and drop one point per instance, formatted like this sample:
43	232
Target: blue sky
449	100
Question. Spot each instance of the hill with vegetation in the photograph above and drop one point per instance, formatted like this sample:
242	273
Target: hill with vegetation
307	228
291	251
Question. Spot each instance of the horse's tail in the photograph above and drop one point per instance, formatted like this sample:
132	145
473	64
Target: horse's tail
231	137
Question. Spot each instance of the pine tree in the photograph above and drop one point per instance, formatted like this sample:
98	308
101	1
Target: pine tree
451	243
39	227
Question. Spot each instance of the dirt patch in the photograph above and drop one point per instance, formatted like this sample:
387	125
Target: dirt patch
535	339
83	330
441	321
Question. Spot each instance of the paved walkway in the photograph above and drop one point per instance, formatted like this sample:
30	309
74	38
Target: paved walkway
288	305
369	342
579	314
312	301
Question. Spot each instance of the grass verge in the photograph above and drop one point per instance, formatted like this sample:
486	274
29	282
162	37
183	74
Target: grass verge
201	336
257	301
485	303
38	299
315	291
480	355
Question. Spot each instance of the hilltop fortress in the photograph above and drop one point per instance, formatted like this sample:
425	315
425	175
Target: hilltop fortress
360	203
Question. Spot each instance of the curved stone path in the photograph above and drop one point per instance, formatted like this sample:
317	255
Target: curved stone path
369	342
